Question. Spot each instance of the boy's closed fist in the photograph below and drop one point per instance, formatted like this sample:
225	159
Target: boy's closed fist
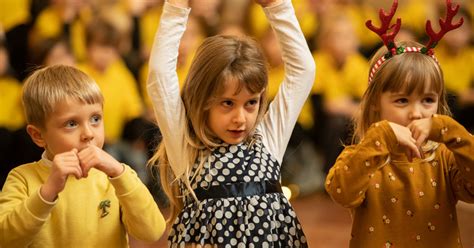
94	157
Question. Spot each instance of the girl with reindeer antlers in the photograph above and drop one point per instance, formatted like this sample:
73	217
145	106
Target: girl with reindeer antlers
410	162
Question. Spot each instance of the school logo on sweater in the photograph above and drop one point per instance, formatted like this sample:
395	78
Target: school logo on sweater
104	207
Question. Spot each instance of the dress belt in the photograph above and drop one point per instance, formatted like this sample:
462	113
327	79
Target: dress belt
238	189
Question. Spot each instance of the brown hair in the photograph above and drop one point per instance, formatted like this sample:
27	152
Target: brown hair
47	86
218	60
102	32
408	72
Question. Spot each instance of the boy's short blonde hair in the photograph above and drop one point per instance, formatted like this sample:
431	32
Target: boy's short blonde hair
48	86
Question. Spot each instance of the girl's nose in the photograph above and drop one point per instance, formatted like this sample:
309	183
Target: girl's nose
415	112
239	116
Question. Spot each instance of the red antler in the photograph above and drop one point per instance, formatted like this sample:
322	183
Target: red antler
445	25
387	38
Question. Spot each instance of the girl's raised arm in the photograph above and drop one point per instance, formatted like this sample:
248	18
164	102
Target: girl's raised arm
283	112
163	84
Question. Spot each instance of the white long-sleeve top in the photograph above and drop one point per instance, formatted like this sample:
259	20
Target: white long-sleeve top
278	123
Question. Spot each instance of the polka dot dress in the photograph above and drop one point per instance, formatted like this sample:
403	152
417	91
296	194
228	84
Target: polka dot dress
266	220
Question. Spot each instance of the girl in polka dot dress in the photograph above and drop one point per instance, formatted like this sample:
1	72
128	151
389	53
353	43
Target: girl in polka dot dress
410	162
222	145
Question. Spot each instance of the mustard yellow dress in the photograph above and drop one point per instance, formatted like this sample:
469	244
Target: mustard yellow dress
397	203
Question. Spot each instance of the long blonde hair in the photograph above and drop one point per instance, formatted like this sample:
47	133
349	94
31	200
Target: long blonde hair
410	72
218	60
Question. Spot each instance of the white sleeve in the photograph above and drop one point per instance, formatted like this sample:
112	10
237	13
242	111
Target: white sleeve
163	84
284	110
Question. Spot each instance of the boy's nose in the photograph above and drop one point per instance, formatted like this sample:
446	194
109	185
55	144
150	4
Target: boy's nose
87	134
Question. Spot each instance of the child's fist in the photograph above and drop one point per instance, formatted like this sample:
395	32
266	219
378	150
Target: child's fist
93	156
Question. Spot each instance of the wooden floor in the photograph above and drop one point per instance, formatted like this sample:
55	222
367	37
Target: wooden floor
327	225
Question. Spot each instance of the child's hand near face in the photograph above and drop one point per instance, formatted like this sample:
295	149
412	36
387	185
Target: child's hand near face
93	156
420	129
78	164
64	164
405	138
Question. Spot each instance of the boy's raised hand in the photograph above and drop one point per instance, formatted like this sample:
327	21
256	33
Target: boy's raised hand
64	164
93	156
405	139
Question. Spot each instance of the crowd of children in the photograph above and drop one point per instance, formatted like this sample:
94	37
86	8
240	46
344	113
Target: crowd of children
115	99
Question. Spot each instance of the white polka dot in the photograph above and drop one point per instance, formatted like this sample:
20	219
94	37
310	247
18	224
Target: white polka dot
218	165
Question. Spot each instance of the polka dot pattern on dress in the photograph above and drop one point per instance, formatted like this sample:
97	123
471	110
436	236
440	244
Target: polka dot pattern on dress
252	221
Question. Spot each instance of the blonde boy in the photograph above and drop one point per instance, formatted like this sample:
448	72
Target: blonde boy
77	195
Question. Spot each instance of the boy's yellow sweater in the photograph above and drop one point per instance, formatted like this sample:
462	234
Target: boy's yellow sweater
96	211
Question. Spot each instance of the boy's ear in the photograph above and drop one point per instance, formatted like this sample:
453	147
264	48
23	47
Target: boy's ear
35	134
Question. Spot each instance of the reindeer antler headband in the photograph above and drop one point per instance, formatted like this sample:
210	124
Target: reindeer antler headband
388	36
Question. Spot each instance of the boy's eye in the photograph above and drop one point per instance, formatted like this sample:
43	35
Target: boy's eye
96	118
70	124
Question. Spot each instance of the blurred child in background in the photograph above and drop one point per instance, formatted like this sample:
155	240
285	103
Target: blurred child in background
11	111
337	91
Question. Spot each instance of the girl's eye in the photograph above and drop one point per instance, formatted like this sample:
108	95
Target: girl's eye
96	119
252	102
227	103
70	124
401	100
429	100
